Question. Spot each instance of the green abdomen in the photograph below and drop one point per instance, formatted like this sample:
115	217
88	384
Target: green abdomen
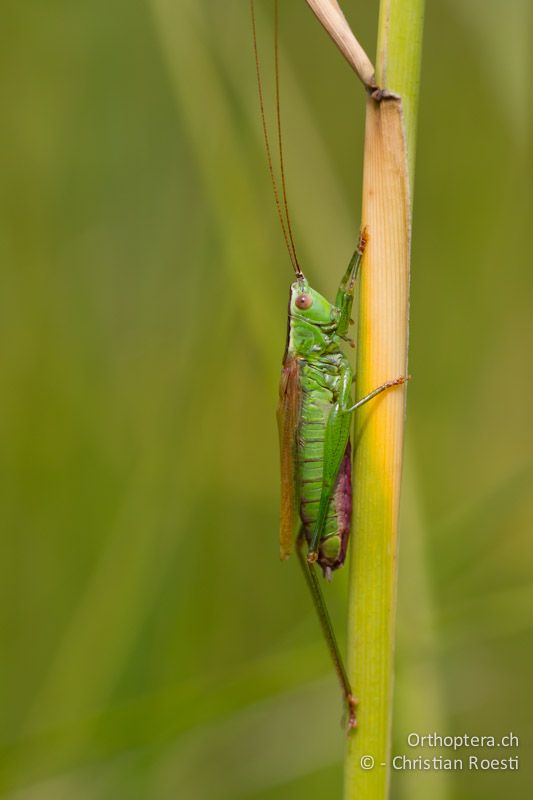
318	396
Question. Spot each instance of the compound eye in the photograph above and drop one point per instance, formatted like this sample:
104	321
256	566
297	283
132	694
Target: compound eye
304	301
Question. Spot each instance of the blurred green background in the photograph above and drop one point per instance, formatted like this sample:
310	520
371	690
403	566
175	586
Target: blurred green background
152	645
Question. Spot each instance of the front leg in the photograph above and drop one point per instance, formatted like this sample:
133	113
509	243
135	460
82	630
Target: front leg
345	294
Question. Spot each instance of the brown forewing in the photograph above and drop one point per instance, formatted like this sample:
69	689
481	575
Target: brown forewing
288	414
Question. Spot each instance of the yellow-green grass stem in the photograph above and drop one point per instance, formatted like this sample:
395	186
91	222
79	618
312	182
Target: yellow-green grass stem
379	427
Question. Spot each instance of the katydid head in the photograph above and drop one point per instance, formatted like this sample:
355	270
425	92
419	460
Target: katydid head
312	320
307	304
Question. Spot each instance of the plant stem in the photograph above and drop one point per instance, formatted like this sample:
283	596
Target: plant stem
399	54
379	427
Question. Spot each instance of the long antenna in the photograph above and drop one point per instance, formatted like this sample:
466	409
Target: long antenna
285	226
280	138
